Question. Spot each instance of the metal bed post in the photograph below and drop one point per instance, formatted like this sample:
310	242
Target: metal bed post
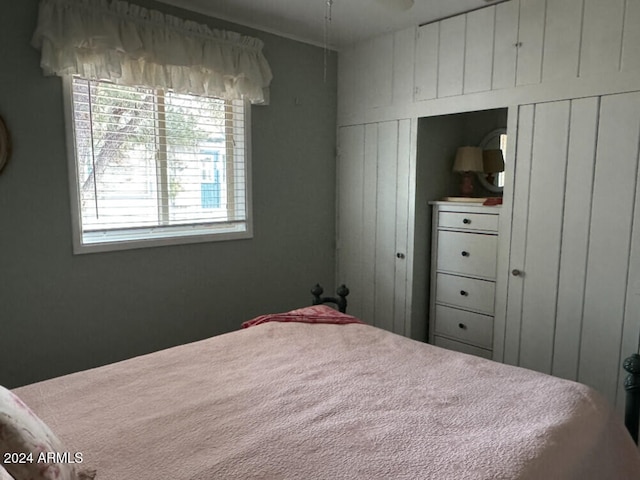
632	403
340	301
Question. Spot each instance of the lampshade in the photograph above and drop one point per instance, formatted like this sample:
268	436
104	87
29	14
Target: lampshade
493	161
468	159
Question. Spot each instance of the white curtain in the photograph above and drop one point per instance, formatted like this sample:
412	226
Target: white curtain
131	45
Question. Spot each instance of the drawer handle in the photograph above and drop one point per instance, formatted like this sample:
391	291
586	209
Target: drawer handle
464	293
465	253
462	326
466	221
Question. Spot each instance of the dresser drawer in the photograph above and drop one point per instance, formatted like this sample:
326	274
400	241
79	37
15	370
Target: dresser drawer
465	326
468	221
467	253
468	293
462	347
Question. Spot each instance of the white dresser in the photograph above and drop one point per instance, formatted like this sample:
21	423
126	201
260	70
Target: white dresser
463	272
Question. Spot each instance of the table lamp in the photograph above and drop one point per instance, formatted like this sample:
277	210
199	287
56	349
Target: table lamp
493	162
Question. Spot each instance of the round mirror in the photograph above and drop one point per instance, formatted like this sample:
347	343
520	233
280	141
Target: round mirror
5	144
494	146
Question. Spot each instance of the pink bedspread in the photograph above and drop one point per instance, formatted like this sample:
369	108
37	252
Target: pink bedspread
315	314
321	401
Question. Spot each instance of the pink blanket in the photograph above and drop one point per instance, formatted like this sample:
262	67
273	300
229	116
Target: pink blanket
315	314
287	400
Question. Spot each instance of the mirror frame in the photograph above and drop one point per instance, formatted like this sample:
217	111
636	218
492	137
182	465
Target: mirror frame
5	144
481	175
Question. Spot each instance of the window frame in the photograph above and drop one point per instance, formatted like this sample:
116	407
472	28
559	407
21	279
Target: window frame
180	236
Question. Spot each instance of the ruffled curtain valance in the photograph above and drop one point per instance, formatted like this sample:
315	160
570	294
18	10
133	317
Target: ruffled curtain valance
131	45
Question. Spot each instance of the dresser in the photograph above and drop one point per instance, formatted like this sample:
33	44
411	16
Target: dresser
463	273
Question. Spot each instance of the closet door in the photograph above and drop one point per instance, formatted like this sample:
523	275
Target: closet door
574	243
375	172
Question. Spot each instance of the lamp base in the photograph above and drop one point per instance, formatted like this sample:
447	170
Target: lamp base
466	187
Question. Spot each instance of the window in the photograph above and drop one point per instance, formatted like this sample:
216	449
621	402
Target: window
152	167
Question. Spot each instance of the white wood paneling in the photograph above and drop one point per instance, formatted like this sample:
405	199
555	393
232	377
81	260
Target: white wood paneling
478	60
562	39
378	72
542	256
631	328
505	50
369	213
504	237
575	236
451	56
609	241
385	238
519	225
597	39
350	188
631	36
401	314
601	36
415	306
530	41
426	68
347	74
375	175
404	51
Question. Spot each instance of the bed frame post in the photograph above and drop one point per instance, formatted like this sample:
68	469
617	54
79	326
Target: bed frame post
632	386
340	301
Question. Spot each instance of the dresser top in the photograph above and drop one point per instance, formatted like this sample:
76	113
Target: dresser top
464	206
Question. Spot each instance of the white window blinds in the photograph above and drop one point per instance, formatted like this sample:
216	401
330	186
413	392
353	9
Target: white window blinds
152	164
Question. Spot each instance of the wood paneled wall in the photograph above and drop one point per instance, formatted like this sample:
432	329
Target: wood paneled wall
575	236
517	43
376	182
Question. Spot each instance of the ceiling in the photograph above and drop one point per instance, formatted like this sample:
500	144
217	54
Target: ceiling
351	20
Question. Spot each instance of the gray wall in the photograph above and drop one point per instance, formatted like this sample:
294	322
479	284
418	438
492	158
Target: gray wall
61	312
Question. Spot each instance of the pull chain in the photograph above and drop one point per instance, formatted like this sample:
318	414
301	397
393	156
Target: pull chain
327	26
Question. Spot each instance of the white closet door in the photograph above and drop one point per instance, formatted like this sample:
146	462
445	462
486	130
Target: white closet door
575	235
562	39
543	228
631	36
367	223
530	41
505	45
404	232
426	64
385	238
451	56
478	56
350	226
374	221
404	60
377	75
601	36
614	192
574	240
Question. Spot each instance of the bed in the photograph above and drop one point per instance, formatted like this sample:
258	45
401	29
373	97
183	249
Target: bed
318	394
